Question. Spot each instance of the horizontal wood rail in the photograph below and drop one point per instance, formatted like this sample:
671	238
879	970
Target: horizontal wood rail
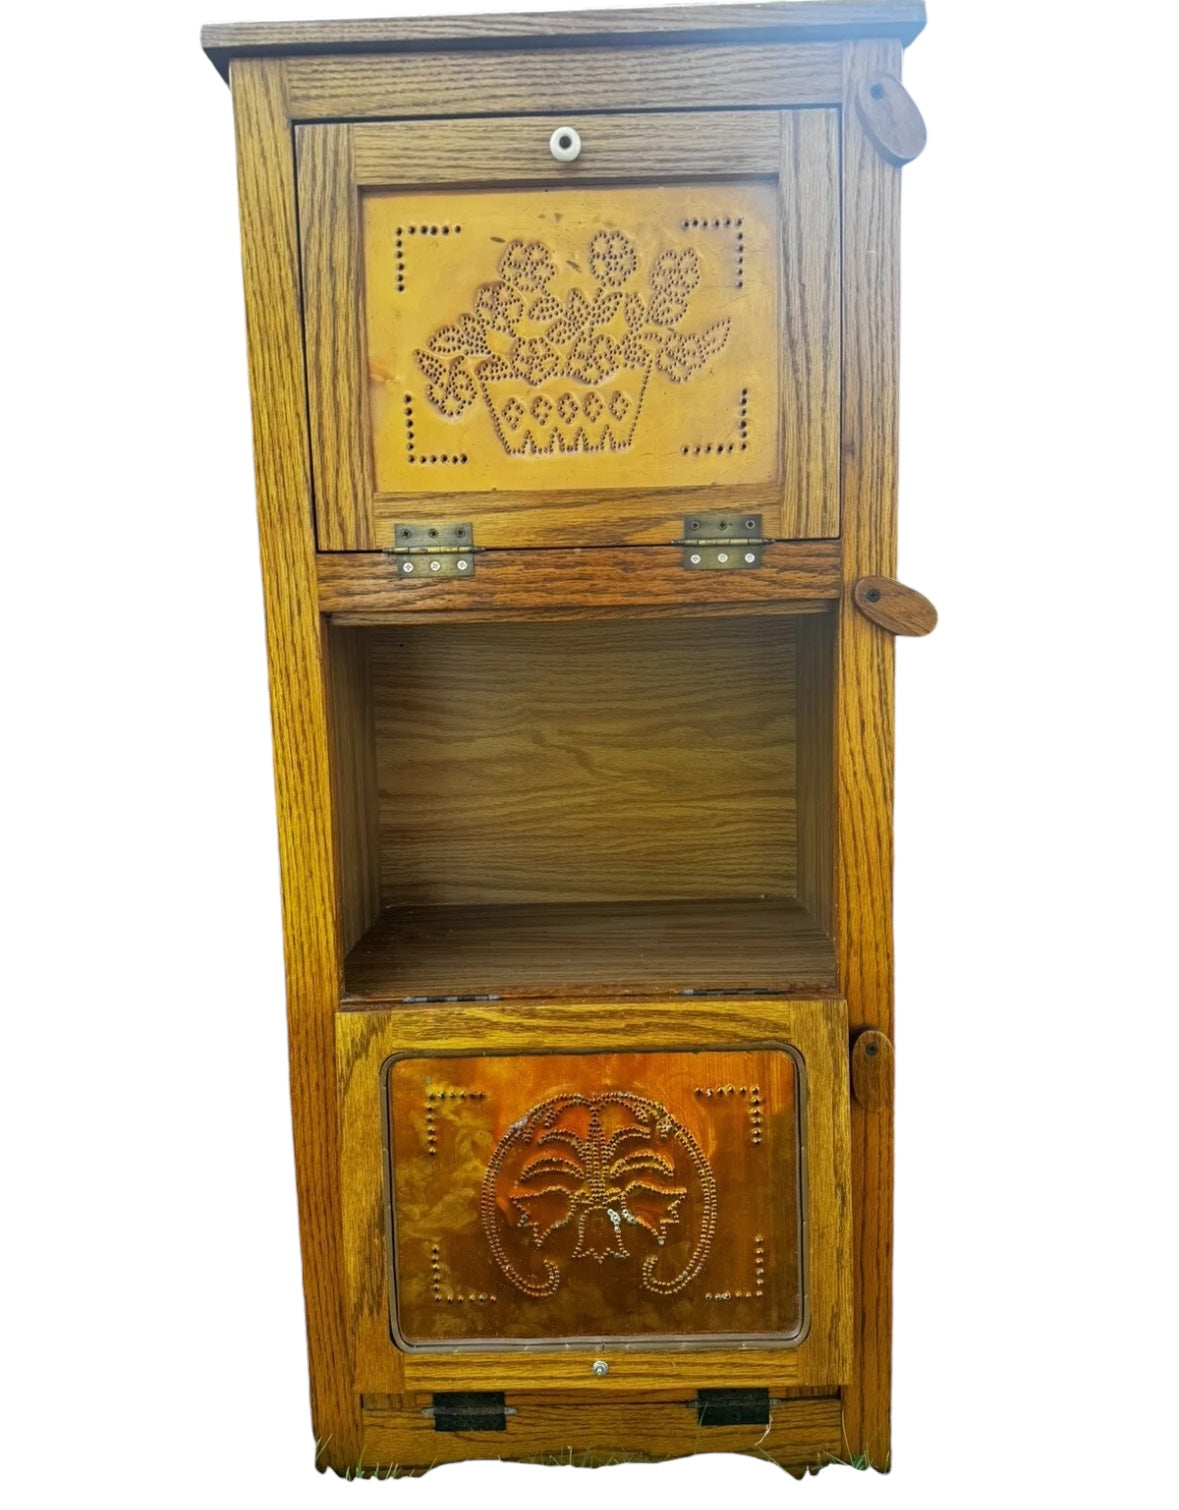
795	576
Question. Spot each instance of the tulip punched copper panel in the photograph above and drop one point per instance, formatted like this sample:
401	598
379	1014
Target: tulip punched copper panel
550	1199
572	346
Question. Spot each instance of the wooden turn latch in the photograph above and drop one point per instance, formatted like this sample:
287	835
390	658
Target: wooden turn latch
872	1070
893	606
890	118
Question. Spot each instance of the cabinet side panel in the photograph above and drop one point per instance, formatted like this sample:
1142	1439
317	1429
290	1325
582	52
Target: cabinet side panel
816	793
300	721
864	718
354	782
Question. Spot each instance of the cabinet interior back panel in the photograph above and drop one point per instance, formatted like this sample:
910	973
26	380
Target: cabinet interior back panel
585	762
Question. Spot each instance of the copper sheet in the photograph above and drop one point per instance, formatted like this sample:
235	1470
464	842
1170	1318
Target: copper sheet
613	337
553	1197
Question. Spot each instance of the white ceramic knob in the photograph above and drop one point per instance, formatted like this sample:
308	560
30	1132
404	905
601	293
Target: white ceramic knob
565	144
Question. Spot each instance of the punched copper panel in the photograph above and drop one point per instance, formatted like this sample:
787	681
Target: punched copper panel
576	338
547	1198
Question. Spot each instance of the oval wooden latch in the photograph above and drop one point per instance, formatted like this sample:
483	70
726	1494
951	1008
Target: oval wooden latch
895	607
890	118
872	1070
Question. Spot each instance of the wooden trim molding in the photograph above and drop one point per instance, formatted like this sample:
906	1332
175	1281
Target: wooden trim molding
827	20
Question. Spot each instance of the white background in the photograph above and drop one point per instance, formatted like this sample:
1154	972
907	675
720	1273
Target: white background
153	1342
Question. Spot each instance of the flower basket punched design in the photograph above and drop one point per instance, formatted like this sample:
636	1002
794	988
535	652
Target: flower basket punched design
609	340
561	376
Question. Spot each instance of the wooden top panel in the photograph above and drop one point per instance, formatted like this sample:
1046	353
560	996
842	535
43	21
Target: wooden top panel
788	20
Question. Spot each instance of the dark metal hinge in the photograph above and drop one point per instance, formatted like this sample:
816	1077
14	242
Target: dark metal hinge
470	1410
732	1407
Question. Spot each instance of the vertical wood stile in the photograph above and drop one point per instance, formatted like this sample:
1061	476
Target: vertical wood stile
864	717
809	340
337	381
300	723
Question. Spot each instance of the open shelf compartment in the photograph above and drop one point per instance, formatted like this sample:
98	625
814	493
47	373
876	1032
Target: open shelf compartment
632	808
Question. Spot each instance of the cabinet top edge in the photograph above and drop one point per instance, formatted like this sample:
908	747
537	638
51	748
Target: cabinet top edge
775	21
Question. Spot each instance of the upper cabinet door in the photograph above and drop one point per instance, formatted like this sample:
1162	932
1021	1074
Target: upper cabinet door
572	352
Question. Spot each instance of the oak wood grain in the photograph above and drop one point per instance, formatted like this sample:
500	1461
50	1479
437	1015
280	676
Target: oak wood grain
302	736
660	755
581	79
695	23
549	950
815	772
515	150
802	1432
341	433
354	782
893	606
817	1029
864	716
583	582
810	340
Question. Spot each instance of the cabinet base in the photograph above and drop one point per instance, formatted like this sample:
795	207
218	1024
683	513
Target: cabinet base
399	1436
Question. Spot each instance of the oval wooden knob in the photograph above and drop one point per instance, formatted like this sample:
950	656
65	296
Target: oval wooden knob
890	118
872	1070
893	606
565	144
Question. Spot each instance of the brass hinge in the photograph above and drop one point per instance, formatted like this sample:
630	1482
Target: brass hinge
432	550
722	542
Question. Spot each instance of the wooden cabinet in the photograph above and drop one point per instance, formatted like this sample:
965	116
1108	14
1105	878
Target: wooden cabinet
572	349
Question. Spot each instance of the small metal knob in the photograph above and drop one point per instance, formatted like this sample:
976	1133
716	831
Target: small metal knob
565	144
599	1368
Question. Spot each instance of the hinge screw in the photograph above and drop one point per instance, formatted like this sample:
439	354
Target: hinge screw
599	1368
723	556
750	558
695	560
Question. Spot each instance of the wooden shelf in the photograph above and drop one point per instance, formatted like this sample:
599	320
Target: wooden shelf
644	949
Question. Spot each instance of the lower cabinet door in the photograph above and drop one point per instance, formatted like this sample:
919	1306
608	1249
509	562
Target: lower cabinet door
611	1185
